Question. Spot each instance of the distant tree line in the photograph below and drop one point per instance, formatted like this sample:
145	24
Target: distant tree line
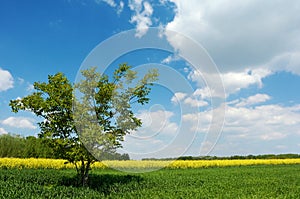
33	147
24	147
235	157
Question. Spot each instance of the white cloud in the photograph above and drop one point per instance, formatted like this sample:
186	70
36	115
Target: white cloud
205	93
30	88
288	61
3	131
163	2
112	3
142	16
246	130
281	147
235	81
232	81
261	123
195	102
21	80
239	34
171	58
198	122
156	133
120	8
264	122
192	100
156	122
6	80
19	122
273	136
179	96
255	99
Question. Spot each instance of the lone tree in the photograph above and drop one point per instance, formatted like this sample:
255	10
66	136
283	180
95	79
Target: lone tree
86	120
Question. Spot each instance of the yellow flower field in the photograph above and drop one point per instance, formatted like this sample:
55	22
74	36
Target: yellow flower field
134	164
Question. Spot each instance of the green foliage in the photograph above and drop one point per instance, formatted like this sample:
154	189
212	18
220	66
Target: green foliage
280	181
53	102
36	148
11	146
33	147
235	157
103	114
101	101
20	147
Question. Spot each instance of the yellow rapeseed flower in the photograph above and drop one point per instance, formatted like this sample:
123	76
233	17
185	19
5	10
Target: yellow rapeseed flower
135	164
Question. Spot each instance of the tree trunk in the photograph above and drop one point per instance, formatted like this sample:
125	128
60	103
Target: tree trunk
84	172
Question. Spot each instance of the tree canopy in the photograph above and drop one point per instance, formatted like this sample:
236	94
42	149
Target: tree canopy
84	121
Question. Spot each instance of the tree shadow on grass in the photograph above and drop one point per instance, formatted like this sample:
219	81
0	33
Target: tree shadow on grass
104	183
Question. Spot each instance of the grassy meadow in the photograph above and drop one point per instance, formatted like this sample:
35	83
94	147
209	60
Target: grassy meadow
180	179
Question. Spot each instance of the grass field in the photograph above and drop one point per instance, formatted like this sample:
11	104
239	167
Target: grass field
258	181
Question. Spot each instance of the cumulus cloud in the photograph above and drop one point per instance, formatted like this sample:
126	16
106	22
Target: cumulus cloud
171	58
250	129
288	61
260	122
163	2
195	102
273	136
157	122
179	96
241	33
30	87
3	131
248	40
120	8
255	99
113	4
155	134
21	80
19	122
235	81
6	80
198	122
232	81
206	93
191	100
246	129
142	16
264	122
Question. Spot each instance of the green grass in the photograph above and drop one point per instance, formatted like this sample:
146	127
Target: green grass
280	181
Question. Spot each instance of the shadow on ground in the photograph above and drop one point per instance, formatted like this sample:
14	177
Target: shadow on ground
104	183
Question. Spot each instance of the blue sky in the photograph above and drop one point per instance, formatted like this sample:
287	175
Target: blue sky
254	45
